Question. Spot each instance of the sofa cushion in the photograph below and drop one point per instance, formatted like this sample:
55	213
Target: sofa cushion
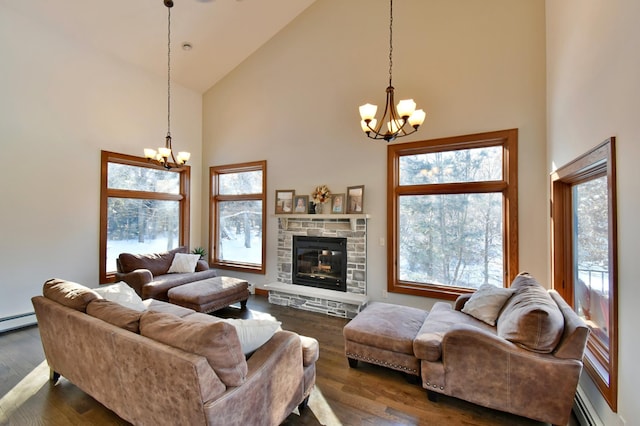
485	304
157	263
122	294
69	294
531	318
115	314
428	343
253	333
183	263
217	342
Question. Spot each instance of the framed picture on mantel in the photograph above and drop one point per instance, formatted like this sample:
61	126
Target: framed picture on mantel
300	203
355	197
284	201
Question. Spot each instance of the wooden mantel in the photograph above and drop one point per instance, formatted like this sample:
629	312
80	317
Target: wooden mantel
353	218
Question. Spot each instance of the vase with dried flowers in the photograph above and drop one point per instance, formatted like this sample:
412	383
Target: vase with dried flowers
320	196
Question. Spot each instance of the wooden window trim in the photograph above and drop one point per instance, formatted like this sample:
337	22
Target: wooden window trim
183	197
215	197
508	186
598	162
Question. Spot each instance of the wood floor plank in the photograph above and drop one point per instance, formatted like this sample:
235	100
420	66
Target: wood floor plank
366	395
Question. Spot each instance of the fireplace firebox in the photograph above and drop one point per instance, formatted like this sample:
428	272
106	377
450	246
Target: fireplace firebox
320	262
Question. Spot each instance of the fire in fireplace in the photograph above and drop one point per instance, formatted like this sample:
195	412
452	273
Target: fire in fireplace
320	262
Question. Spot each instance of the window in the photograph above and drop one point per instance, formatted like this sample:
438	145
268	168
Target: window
584	262
144	208
237	216
452	214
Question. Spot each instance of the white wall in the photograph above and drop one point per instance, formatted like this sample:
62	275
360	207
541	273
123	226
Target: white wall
473	66
60	104
594	93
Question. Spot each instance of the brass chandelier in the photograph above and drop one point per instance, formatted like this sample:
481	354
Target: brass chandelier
162	155
393	123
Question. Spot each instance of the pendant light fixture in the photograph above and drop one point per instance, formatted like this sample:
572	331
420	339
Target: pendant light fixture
393	123
163	154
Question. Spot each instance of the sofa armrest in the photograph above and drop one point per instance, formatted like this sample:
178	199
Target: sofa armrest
273	388
461	301
136	279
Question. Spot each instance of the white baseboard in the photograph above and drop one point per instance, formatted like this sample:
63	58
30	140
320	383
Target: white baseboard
584	411
17	321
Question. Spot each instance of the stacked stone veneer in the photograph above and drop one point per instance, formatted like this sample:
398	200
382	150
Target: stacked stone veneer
356	262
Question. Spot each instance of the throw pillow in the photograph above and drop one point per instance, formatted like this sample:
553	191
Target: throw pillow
184	262
485	304
123	295
253	333
531	318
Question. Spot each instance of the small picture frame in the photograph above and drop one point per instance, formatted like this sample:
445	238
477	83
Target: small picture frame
284	201
337	203
355	199
301	204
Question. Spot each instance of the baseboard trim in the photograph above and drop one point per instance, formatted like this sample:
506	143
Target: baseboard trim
15	322
584	411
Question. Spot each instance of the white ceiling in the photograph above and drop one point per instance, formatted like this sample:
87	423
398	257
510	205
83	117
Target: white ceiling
222	32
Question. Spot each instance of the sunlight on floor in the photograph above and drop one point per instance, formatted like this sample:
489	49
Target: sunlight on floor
24	390
320	407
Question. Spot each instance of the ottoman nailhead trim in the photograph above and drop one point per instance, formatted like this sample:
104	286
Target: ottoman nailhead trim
382	363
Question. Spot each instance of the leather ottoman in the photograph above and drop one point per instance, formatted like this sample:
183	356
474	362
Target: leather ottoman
383	334
210	294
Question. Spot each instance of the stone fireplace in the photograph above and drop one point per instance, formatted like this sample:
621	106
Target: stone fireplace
344	302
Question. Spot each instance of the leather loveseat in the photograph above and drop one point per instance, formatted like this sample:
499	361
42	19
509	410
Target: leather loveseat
148	274
528	363
168	365
517	350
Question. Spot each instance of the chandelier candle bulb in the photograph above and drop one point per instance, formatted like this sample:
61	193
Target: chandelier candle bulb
417	118
406	107
183	157
368	111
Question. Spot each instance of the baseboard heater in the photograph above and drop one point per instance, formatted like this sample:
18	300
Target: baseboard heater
17	321
584	411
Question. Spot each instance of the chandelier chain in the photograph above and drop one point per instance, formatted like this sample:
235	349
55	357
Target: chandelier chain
390	39
169	72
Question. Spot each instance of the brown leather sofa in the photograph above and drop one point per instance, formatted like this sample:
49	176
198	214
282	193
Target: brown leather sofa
147	273
169	365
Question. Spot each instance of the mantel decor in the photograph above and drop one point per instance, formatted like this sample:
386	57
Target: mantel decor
320	196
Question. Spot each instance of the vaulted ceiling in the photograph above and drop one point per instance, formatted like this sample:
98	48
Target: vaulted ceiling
222	33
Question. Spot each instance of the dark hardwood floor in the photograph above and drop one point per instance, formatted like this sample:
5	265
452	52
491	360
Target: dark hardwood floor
367	395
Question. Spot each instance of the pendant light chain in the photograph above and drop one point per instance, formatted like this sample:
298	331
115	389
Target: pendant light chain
390	39
169	73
